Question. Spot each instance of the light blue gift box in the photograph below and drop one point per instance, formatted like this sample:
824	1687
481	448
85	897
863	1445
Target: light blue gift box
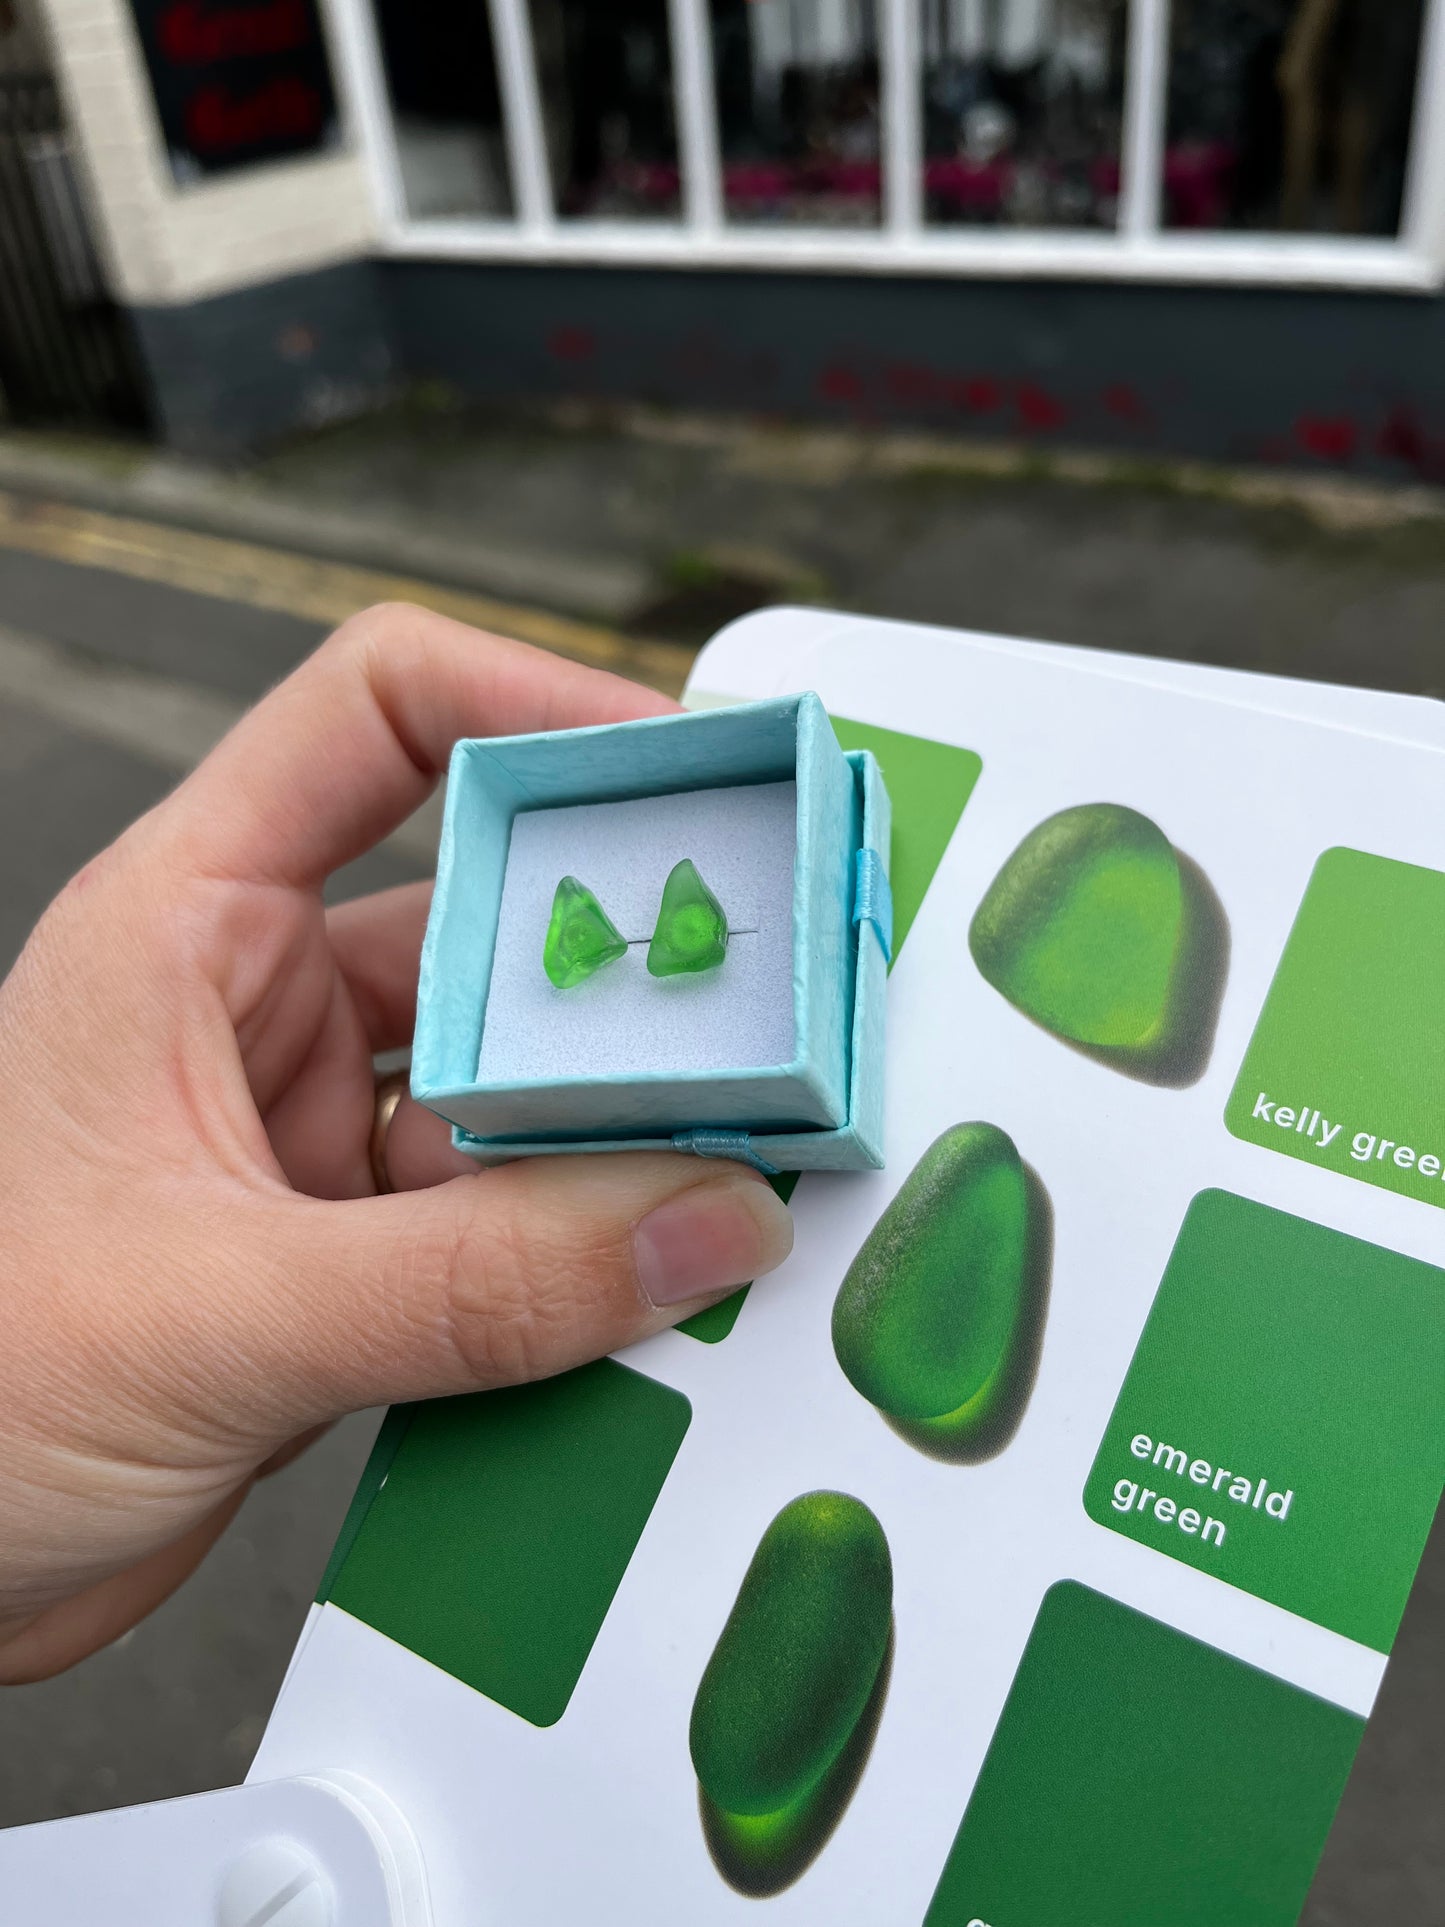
821	1111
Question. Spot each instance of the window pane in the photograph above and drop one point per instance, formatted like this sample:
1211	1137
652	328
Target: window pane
1022	107
1290	116
605	72
797	90
442	81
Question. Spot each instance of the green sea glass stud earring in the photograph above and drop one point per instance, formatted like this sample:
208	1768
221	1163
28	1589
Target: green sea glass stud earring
581	937
692	929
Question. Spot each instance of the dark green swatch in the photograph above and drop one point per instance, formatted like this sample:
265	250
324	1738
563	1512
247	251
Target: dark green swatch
1138	1778
373	1477
506	1520
1284	1413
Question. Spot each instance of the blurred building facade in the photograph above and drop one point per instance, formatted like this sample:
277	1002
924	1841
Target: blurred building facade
1180	226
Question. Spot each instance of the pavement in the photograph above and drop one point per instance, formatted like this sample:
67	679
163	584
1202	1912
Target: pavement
645	527
144	602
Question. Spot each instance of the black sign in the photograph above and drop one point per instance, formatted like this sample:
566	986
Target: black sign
237	81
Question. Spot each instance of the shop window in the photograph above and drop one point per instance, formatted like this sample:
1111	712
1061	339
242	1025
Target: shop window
441	77
1022	111
798	110
605	77
1158	138
1290	116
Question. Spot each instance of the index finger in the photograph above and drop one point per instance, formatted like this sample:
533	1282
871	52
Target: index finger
349	745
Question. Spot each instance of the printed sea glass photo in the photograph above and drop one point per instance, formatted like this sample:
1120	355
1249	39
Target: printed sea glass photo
789	1704
1104	934
939	1320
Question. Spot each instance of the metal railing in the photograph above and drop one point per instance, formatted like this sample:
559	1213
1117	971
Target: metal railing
65	349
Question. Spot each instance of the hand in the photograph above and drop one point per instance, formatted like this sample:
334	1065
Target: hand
196	1274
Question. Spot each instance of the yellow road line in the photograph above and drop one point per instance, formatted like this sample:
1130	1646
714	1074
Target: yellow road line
303	586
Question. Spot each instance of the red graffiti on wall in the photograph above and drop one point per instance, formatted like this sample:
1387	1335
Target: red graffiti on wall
1403	440
571	344
1037	408
1124	404
1333	438
977	394
840	382
911	381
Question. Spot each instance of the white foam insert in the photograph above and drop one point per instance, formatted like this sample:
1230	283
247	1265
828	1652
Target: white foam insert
737	1017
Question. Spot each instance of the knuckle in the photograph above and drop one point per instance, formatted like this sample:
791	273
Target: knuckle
522	1300
380	627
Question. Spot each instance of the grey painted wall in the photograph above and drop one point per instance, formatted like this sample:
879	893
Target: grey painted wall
1349	381
243	368
1238	375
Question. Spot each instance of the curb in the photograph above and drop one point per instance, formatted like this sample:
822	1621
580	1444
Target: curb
819	456
323	592
124	479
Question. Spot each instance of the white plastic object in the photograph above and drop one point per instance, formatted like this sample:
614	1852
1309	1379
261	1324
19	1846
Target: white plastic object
276	1883
329	1850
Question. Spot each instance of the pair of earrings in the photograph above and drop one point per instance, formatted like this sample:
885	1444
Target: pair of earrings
691	932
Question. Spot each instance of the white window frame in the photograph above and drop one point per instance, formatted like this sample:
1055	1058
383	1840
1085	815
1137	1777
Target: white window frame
1138	250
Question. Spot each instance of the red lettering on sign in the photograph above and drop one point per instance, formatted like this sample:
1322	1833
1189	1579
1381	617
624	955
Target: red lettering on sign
190	33
287	109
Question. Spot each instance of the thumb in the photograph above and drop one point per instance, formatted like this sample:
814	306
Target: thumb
493	1279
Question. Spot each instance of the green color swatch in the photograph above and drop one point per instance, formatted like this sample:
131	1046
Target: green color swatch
691	933
581	937
394	1428
1140	1779
504	1525
1080	928
714	1324
710	1327
795	1675
1346	1067
929	785
1282	1424
935	1305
